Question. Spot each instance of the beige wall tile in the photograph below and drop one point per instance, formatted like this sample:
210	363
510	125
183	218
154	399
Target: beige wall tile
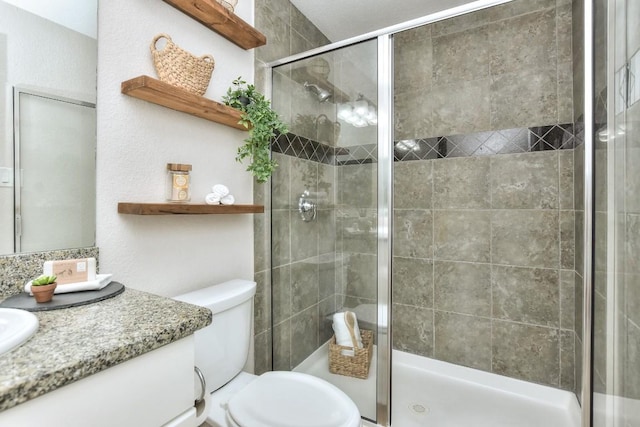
565	92
566	169
525	181
281	293
527	295
461	183
519	7
304	334
567	360
361	276
463	340
413	114
525	238
413	329
530	353
413	233
462	235
507	39
413	62
567	239
524	98
413	281
461	56
412	185
304	286
461	107
462	287
567	299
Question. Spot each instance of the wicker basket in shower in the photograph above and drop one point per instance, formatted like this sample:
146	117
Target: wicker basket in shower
352	366
180	68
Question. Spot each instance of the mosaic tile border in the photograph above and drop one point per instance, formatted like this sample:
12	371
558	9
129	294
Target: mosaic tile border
304	148
505	141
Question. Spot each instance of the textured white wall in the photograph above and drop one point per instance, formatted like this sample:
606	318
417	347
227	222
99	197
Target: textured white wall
166	255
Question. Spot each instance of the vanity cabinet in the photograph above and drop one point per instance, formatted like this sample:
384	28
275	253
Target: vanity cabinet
150	390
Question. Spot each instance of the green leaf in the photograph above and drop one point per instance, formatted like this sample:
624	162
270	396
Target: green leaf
43	280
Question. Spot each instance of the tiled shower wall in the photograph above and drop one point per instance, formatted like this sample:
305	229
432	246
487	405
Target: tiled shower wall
499	68
483	263
483	258
288	32
303	260
484	271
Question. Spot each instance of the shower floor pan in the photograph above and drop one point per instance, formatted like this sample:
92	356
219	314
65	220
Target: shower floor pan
429	392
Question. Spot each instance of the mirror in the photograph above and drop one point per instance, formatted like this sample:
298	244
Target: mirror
48	67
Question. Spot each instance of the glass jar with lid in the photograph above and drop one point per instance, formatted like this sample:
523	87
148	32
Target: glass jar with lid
178	183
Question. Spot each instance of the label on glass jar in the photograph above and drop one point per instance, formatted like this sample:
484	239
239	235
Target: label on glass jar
180	187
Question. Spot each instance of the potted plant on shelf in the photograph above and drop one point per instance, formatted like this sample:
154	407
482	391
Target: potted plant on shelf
263	124
42	288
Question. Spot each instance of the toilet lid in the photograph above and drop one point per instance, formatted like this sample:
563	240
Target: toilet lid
292	399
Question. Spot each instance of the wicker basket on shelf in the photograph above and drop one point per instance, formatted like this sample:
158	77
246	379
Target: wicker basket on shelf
352	366
319	67
180	68
228	4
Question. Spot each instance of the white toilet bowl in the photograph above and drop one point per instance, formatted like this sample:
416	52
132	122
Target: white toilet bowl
281	399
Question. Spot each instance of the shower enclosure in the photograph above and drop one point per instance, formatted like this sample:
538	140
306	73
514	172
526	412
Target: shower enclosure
324	250
436	180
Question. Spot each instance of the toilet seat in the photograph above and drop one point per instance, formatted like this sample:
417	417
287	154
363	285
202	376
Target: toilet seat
292	399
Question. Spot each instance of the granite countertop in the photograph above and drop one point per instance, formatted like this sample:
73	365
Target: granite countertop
74	343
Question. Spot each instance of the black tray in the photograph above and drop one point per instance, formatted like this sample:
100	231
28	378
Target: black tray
25	301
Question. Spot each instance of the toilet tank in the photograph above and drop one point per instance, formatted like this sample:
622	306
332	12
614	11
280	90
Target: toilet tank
222	348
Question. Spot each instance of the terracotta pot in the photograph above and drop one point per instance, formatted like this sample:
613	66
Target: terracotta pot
43	293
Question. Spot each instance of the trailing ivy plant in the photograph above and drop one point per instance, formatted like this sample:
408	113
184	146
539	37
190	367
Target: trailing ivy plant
263	124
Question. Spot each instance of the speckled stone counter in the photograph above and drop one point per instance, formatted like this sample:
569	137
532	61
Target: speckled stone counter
74	343
17	269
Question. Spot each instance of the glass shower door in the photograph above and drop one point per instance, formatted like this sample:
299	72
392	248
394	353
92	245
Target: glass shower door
324	221
616	349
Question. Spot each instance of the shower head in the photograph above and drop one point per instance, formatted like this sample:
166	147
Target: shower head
322	94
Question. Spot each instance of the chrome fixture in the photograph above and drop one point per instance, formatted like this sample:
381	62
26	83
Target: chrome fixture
307	207
408	145
359	113
322	94
203	385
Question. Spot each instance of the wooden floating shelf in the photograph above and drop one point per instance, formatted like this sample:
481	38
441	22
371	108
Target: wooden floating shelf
161	93
213	15
185	209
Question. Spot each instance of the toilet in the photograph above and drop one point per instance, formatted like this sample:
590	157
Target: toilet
240	399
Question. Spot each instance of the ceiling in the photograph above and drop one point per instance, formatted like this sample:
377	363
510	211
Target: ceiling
342	19
78	15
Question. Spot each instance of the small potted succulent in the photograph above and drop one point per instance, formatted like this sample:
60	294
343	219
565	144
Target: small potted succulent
43	287
263	124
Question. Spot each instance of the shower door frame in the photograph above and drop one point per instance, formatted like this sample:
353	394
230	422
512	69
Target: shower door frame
385	70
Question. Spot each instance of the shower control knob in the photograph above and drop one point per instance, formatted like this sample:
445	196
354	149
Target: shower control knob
307	207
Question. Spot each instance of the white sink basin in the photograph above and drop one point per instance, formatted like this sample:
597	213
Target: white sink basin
16	327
